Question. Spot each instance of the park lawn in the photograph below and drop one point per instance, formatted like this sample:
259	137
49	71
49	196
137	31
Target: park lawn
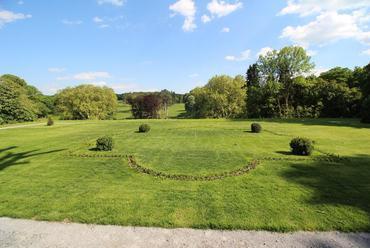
123	111
43	177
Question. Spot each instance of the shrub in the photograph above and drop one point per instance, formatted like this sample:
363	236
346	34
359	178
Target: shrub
144	128
104	143
301	146
50	122
256	128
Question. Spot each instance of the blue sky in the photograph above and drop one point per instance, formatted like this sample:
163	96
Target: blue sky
133	45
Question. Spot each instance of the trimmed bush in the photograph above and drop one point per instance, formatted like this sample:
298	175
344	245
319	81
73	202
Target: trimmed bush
144	128
301	146
104	143
256	128
50	122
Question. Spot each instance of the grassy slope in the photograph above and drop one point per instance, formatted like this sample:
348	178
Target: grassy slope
38	180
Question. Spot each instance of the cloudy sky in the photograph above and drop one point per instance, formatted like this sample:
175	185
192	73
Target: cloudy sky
133	45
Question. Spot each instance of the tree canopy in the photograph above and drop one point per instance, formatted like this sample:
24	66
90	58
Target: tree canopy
20	101
222	97
86	102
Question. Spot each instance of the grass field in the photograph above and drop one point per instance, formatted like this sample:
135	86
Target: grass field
43	177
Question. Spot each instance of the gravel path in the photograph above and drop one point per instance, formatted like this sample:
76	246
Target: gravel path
28	233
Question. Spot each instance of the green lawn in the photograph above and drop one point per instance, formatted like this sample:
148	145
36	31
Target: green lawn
42	176
123	112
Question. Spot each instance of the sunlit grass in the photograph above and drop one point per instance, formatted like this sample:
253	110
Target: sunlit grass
39	180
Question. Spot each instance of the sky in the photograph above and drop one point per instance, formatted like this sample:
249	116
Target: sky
147	45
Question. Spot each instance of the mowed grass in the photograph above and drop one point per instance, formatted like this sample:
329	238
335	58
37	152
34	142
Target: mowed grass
39	180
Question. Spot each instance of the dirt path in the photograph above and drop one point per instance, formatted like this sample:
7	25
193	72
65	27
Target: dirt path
28	233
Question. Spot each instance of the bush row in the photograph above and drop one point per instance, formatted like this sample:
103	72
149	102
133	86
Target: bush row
250	166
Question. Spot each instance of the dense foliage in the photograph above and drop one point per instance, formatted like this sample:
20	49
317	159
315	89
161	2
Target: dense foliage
366	110
144	128
221	97
104	143
20	101
86	102
301	146
168	98
256	128
278	86
146	106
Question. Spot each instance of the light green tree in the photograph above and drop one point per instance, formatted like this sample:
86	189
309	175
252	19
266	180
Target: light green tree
86	102
222	97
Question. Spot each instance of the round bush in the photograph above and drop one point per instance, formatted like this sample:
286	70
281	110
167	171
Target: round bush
50	122
256	128
104	143
301	146
144	128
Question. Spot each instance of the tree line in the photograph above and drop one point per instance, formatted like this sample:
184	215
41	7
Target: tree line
281	85
20	102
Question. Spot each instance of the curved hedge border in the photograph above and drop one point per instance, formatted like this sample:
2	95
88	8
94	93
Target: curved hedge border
241	171
332	158
95	155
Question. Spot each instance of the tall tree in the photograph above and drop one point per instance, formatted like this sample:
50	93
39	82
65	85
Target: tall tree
252	76
283	66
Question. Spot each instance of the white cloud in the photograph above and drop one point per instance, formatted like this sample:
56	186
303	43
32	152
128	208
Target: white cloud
221	8
334	20
97	19
98	83
225	30
56	69
245	55
91	75
194	75
308	7
71	22
327	27
104	26
206	18
9	16
105	22
319	70
63	78
264	51
311	52
187	9
118	3
366	52
83	76
130	87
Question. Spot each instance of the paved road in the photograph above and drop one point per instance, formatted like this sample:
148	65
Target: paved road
28	233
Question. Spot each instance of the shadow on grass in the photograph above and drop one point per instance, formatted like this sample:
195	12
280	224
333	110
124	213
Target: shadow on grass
15	158
287	153
337	122
346	183
181	115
